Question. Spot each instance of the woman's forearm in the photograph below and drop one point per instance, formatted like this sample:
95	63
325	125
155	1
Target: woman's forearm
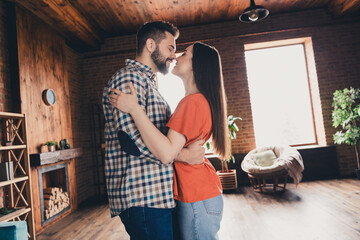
165	148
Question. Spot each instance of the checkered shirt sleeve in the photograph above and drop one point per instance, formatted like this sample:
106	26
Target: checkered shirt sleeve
123	121
135	180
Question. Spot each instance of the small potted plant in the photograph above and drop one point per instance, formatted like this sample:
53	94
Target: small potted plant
228	176
51	145
346	113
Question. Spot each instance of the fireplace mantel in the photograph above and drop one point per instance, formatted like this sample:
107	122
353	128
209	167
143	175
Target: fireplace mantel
39	159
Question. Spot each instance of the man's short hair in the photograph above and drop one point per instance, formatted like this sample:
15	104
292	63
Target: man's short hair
156	31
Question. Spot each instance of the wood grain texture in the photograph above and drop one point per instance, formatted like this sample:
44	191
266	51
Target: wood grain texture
37	159
64	18
42	65
85	23
314	210
343	7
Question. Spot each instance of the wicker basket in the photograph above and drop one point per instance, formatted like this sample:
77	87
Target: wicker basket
228	179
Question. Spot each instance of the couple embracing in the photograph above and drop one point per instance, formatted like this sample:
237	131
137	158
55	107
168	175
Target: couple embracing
158	180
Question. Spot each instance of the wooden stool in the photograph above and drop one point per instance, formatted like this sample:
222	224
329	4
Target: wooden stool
258	181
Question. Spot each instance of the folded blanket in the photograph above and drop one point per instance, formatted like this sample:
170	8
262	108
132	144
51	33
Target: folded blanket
291	160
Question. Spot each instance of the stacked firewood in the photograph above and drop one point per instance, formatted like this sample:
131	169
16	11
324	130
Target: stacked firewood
55	200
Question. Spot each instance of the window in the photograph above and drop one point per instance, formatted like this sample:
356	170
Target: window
171	88
280	94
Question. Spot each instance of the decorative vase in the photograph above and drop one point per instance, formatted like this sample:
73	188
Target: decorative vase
357	171
64	144
228	179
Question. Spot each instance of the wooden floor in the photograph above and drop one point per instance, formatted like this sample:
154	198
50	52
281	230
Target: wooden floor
314	210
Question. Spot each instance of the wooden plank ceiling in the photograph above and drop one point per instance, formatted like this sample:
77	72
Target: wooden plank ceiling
85	24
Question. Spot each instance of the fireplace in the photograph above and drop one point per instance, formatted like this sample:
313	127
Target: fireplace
54	192
53	178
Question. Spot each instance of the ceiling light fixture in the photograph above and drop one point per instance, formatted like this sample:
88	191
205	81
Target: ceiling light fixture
253	13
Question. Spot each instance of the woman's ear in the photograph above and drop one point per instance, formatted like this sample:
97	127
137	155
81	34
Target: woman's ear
150	45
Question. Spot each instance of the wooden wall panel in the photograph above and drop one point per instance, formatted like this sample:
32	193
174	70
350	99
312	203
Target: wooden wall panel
42	65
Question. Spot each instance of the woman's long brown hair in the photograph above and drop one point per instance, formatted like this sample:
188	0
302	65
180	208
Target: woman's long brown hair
209	80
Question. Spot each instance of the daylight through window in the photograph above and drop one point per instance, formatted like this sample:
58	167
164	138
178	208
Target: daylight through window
280	95
171	88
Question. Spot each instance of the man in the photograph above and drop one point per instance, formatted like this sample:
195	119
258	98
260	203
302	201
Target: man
139	185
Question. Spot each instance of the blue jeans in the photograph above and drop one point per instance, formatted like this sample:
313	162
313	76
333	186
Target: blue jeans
198	220
143	223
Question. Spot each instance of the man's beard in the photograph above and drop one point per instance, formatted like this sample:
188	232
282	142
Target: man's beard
160	61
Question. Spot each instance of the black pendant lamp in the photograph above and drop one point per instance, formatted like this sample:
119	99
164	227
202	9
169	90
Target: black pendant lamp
254	13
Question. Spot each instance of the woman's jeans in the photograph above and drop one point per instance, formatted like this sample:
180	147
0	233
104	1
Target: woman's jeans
198	220
143	223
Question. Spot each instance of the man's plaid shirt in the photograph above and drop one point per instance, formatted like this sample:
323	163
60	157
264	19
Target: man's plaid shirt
135	181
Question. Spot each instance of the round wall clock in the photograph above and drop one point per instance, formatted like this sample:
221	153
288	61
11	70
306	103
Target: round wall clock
49	96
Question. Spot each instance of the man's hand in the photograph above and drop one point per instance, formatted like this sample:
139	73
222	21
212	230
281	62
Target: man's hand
192	154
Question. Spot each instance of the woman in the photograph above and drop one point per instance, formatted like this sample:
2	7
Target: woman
201	114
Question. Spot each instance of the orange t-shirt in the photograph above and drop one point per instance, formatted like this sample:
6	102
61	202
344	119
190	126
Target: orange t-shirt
193	183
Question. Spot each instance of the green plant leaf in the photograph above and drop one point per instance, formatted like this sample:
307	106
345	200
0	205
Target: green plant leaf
235	127
207	144
346	113
51	143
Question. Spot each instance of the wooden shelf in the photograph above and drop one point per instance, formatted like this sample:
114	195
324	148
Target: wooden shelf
14	129
13	147
15	214
11	115
39	159
15	180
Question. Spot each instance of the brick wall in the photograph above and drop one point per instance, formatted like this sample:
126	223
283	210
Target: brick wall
336	46
79	114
